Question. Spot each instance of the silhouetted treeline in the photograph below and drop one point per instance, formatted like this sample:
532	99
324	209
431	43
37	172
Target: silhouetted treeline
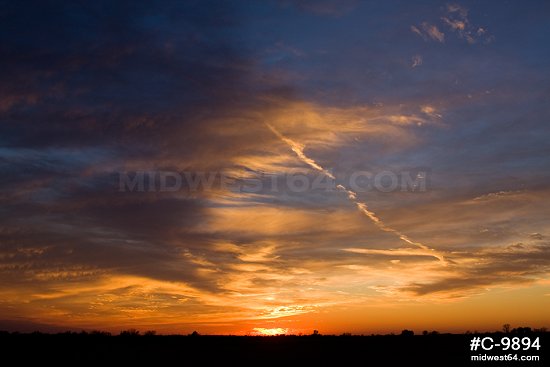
314	349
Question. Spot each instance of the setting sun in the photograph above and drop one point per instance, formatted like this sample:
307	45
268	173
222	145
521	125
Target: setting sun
269	332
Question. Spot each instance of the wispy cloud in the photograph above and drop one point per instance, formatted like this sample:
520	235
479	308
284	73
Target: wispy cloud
514	264
457	20
430	111
416	61
299	150
353	197
397	252
429	32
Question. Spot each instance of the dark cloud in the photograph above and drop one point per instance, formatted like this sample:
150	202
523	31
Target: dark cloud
515	264
104	74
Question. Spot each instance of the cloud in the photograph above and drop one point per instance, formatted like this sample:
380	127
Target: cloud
456	25
398	252
415	29
433	32
456	8
457	20
430	111
504	266
362	206
497	195
299	150
416	60
429	31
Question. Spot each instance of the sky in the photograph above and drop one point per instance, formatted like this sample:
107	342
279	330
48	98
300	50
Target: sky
375	166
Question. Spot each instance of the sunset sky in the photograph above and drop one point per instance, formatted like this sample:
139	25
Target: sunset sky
455	94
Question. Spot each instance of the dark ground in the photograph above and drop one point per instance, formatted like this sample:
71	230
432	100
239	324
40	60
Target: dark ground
390	350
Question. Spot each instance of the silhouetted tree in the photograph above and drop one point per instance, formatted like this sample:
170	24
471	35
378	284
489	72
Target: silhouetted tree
100	333
425	332
129	332
150	333
316	333
506	328
407	333
194	333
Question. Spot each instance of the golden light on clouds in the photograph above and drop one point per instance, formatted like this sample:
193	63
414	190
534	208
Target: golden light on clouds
225	173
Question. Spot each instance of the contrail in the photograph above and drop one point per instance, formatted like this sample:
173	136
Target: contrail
352	196
299	150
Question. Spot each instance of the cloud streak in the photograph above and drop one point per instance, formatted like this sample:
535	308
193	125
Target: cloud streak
429	32
361	206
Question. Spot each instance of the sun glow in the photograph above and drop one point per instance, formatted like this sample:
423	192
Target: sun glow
269	332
